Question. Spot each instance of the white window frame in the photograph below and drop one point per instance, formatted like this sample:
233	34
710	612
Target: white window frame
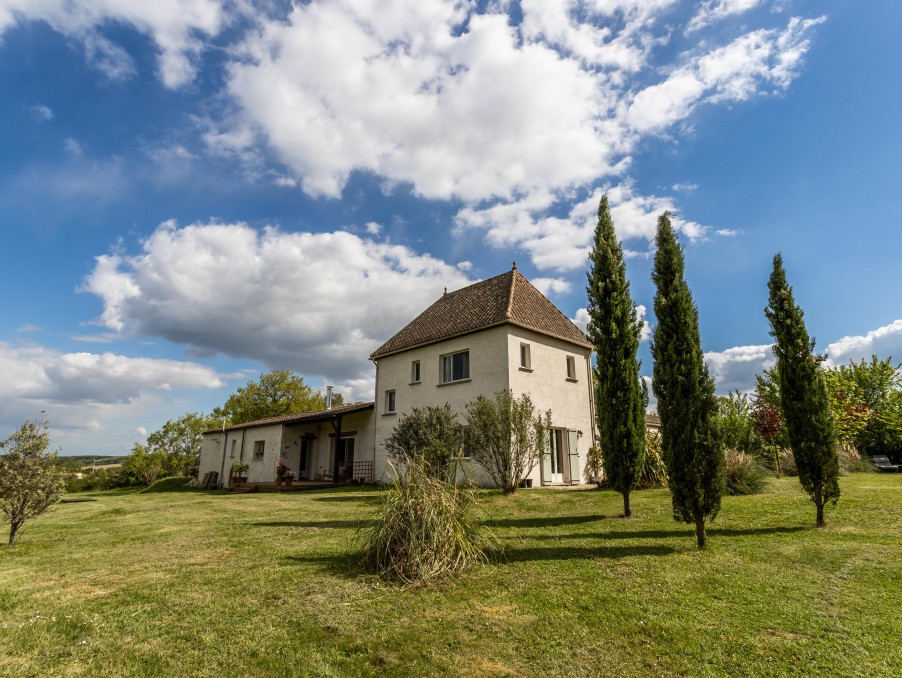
571	368
525	357
259	449
415	372
449	357
391	402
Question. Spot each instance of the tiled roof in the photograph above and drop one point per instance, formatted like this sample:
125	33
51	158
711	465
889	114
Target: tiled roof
300	418
508	298
652	421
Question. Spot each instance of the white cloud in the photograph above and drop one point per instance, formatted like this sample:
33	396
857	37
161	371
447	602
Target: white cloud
177	28
884	342
551	285
316	303
41	112
735	368
373	228
73	148
563	243
141	431
27	328
684	187
86	393
712	11
727	232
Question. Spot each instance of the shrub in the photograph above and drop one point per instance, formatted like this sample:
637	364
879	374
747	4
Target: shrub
852	461
430	434
425	530
788	463
744	474
654	474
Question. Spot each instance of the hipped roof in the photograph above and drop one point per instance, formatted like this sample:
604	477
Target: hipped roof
506	299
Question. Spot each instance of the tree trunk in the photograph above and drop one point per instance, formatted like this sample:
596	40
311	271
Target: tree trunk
820	515
777	459
700	534
627	512
13	532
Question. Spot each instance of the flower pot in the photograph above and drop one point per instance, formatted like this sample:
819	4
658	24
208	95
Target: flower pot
288	482
526	482
278	481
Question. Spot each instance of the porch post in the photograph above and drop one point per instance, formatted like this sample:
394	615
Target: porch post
336	424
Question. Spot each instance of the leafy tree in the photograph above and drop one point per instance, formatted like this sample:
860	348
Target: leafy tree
850	413
614	328
180	440
768	423
429	434
690	437
506	436
30	482
143	467
805	404
736	425
877	389
275	393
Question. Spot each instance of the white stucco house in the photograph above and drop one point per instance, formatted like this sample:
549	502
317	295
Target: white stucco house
501	333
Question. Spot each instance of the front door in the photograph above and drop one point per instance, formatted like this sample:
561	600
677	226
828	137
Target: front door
345	452
557	455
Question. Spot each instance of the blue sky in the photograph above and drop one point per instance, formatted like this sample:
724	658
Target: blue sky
192	192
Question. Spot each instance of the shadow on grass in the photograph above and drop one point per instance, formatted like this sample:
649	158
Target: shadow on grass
546	521
345	565
368	498
320	524
583	553
688	531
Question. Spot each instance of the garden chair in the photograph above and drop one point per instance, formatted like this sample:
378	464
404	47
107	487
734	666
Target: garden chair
883	464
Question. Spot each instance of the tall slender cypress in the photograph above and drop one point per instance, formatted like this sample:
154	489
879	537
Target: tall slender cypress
690	438
803	395
614	329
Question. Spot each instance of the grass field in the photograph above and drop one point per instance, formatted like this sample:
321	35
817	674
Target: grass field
194	583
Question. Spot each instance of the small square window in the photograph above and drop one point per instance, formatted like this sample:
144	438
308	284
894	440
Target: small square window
415	372
455	367
390	401
258	449
571	367
524	357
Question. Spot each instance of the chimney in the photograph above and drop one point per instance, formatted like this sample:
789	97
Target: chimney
328	397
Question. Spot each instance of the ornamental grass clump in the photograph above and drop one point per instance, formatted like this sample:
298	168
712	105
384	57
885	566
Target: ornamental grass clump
743	473
426	530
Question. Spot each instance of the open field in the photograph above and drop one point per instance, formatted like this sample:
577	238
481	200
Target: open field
193	583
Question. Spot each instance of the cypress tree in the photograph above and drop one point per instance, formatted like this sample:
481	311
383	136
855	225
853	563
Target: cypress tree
614	329
803	395
690	438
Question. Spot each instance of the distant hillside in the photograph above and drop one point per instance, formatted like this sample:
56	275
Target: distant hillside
75	462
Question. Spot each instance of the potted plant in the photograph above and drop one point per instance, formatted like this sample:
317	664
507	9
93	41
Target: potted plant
238	472
288	477
281	470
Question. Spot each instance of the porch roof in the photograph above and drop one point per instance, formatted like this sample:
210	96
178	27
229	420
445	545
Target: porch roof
301	417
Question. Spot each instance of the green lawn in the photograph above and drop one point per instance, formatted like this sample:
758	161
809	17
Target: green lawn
194	583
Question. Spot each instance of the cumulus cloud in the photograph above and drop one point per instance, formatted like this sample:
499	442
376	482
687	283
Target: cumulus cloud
318	303
884	342
177	27
551	285
735	368
88	392
563	243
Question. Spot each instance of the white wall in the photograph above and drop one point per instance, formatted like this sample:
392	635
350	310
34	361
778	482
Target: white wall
494	365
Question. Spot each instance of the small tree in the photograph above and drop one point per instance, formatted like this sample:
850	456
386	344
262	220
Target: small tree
275	393
690	437
143	467
736	425
806	406
179	441
506	436
614	328
30	481
428	434
768	423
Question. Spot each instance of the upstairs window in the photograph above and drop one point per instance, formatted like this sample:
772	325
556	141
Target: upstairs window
415	372
455	367
525	362
571	368
390	401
